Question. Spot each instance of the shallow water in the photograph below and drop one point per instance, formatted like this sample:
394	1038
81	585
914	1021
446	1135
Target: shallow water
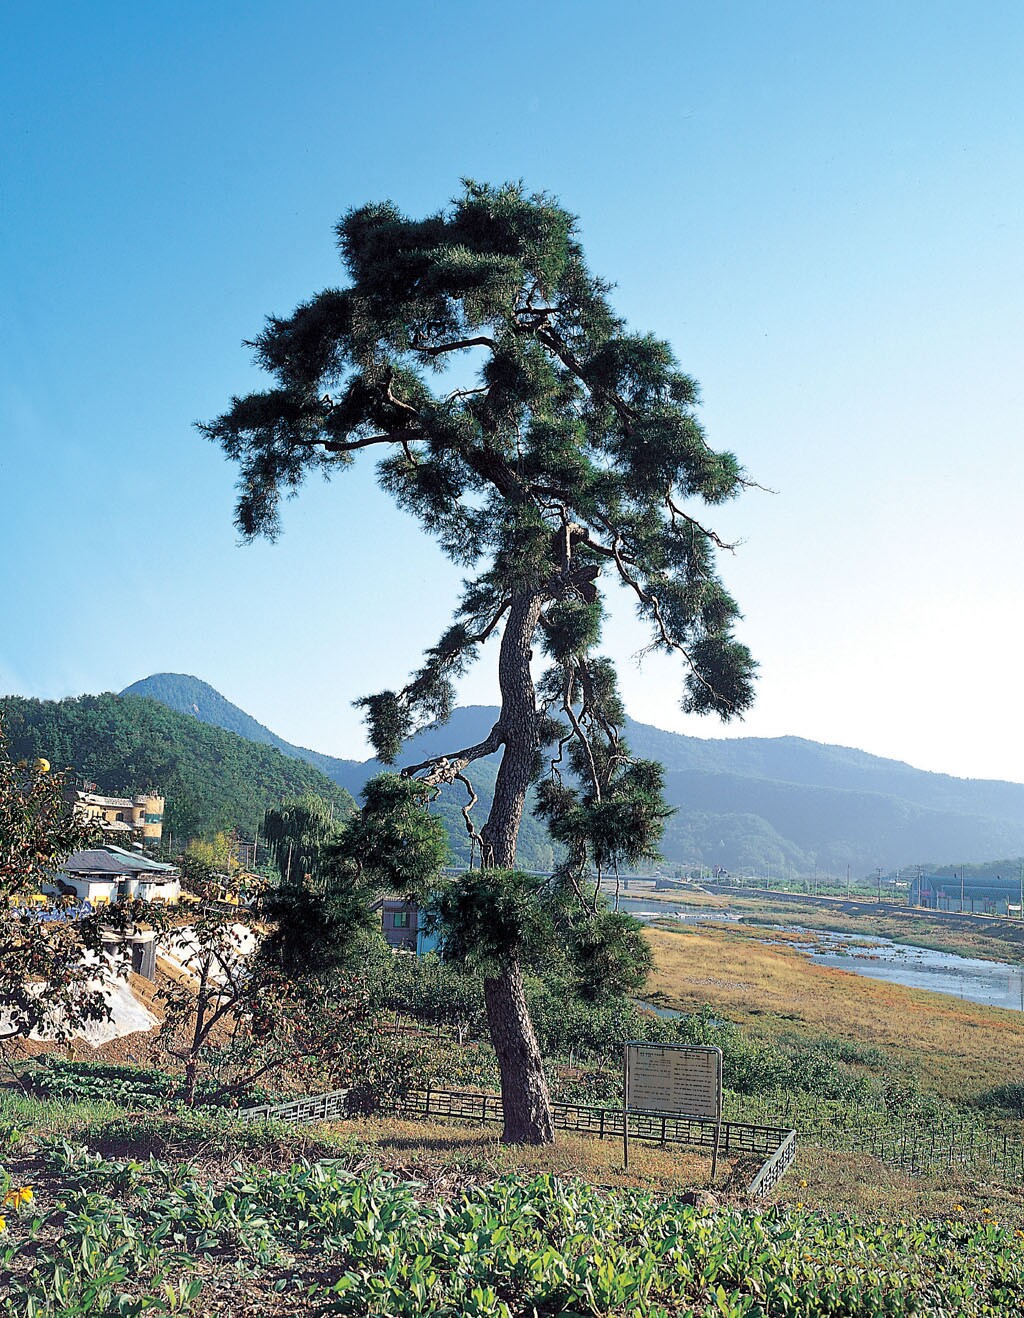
644	908
993	983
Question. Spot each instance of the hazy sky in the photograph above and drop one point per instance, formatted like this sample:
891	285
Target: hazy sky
820	206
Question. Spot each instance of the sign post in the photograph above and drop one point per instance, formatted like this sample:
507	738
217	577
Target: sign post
667	1079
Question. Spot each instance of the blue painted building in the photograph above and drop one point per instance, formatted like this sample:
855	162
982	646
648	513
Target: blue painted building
979	896
404	926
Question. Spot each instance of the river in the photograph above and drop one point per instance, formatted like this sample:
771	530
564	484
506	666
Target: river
994	983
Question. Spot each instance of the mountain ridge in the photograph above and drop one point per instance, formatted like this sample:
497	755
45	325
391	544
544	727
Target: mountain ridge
787	802
212	778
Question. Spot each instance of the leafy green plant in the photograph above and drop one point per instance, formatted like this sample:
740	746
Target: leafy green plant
368	1243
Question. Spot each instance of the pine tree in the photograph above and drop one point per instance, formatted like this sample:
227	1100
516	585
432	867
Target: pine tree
572	457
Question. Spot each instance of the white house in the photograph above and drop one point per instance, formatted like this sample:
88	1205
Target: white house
108	873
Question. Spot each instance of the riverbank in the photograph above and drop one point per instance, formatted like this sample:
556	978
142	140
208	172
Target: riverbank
989	938
957	1049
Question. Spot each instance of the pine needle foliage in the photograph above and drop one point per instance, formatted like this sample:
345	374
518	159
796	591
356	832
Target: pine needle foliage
550	450
571	456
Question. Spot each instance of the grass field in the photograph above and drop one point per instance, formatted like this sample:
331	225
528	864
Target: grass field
957	1048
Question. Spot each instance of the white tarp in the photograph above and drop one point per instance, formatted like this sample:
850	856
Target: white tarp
181	952
128	1016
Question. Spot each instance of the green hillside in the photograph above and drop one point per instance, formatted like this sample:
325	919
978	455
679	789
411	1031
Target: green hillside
203	704
212	778
189	695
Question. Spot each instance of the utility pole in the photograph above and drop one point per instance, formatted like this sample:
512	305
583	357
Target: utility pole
961	890
879	875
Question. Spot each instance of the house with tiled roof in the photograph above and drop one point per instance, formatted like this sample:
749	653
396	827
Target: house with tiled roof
108	874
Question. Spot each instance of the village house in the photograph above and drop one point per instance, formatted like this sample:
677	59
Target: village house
404	926
136	819
107	874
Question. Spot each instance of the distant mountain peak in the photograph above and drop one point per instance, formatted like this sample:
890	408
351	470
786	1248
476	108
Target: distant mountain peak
784	801
191	695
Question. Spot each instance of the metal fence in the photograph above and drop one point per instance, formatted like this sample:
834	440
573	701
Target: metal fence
314	1107
922	1148
774	1169
775	1144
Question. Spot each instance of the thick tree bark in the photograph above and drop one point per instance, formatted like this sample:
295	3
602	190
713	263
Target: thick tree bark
517	724
524	1088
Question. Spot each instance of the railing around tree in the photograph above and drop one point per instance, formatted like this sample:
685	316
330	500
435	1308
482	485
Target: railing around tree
776	1145
332	1106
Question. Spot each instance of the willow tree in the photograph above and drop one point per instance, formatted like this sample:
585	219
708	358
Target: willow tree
549	451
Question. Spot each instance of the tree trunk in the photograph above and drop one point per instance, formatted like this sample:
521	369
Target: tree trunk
518	724
191	1079
524	1088
198	1035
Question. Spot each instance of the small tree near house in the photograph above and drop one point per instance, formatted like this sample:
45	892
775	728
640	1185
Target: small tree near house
233	1017
277	988
54	969
566	454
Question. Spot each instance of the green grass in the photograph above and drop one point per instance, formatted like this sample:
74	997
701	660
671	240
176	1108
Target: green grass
61	1117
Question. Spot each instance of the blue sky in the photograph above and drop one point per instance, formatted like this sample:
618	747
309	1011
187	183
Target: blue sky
820	206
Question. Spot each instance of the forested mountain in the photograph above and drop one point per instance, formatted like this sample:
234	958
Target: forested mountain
792	805
202	702
212	779
188	695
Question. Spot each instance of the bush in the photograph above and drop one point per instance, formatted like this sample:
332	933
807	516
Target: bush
430	990
1008	1099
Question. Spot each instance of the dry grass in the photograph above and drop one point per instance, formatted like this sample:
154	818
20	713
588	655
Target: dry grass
857	1183
956	1047
440	1153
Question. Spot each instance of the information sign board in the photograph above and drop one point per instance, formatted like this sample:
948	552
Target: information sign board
668	1079
682	1080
